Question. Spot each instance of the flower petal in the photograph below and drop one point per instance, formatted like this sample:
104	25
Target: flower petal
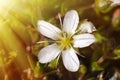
70	60
48	53
70	22
115	2
48	30
83	40
87	27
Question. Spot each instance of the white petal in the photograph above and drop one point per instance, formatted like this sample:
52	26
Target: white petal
83	40
70	60
48	53
115	2
87	27
70	22
48	30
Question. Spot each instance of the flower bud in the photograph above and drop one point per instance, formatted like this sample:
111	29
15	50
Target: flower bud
115	2
103	6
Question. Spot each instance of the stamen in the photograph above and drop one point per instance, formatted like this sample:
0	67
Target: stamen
64	34
58	59
44	42
40	42
77	31
80	54
59	16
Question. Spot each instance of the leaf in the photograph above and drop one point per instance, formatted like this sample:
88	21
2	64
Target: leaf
96	66
37	70
117	52
53	63
82	69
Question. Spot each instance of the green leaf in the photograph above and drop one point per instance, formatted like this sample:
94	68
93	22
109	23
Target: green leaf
117	52
103	6
37	70
100	38
53	63
83	69
96	66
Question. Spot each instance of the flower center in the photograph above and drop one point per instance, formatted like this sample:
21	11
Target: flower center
65	41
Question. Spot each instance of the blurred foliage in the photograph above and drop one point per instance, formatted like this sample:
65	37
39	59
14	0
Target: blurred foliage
19	37
103	6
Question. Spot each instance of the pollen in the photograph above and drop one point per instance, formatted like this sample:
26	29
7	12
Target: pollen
65	41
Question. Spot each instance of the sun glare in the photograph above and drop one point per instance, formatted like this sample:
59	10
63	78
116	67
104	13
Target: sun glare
5	5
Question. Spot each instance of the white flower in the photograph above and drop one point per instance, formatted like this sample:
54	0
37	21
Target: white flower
66	40
115	2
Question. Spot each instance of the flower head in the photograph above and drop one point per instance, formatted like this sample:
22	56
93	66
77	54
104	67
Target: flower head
66	40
